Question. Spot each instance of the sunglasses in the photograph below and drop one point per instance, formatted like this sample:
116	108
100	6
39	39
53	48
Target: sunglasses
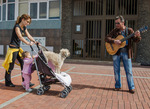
117	23
28	21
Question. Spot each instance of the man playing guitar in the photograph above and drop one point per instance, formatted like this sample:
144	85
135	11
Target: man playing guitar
124	53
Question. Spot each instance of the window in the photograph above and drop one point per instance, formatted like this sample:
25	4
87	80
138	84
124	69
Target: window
33	10
23	7
0	13
4	1
11	0
37	9
128	7
110	7
7	10
22	0
43	10
54	9
79	8
78	48
11	10
0	9
4	12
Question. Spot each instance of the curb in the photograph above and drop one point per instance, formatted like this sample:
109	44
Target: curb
96	62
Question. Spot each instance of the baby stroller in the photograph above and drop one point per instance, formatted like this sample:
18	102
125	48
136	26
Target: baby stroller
47	76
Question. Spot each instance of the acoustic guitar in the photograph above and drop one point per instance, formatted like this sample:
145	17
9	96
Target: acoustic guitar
113	48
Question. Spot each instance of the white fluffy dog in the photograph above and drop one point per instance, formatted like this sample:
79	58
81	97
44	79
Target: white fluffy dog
56	59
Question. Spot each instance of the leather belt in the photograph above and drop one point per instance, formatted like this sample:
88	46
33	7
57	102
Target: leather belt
123	50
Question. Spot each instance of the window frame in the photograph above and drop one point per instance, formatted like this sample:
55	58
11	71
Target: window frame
16	9
6	14
38	10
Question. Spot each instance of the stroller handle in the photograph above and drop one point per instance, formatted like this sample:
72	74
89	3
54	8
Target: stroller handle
38	46
31	47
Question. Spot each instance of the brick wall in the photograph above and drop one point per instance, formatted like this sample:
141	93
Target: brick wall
5	37
53	37
143	47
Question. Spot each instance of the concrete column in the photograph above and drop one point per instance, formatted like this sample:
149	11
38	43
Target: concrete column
143	47
67	13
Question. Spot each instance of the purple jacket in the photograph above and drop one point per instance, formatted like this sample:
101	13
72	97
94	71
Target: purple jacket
27	65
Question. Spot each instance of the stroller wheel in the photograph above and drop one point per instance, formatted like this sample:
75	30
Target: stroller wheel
69	88
40	91
64	93
46	88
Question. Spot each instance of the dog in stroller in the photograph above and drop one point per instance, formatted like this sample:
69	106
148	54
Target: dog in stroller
55	59
47	76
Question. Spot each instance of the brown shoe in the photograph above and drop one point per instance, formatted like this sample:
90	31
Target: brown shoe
117	89
132	91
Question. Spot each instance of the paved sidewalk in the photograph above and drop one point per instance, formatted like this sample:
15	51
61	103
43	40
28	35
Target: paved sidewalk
93	88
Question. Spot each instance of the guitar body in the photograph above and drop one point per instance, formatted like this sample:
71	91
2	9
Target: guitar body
113	48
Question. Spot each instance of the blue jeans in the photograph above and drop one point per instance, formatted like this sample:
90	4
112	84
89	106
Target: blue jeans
128	69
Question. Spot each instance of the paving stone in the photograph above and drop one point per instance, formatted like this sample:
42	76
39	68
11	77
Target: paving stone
93	88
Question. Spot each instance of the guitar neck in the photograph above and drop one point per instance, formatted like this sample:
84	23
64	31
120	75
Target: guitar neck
126	38
145	28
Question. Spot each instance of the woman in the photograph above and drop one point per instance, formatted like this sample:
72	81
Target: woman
14	50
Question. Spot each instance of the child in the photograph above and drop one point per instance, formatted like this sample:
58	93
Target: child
27	59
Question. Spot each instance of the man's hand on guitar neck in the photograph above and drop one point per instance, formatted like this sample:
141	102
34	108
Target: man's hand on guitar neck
137	34
118	42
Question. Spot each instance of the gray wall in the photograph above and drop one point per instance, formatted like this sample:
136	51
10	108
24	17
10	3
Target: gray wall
35	24
51	29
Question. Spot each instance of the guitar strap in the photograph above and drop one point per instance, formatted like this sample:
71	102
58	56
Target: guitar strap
124	48
126	32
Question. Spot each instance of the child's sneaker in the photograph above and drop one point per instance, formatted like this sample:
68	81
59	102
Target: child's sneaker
29	90
31	84
23	86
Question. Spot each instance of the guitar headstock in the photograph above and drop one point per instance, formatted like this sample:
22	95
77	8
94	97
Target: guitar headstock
143	29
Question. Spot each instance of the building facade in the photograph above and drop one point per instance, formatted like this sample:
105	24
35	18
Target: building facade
46	21
79	25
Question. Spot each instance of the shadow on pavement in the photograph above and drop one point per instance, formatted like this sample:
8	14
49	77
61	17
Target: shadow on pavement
16	88
82	86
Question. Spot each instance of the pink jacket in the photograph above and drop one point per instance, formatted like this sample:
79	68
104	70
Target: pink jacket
27	65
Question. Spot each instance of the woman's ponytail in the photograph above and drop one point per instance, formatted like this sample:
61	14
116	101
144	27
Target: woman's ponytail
18	20
24	16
